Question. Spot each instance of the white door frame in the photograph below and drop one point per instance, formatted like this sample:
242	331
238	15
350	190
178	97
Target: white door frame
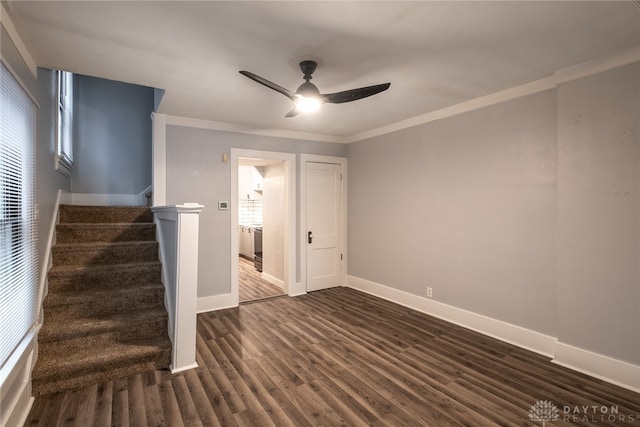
290	247
315	158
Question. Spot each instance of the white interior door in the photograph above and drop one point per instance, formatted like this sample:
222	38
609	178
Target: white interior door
324	225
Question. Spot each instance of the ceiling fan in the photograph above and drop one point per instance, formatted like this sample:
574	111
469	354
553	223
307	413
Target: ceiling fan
308	98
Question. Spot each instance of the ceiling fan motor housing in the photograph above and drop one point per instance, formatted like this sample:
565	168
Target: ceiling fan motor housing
307	68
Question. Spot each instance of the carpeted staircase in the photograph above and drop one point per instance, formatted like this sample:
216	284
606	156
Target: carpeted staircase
104	314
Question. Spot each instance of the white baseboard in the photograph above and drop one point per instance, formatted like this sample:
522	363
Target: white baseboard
602	367
503	331
183	368
297	289
599	366
107	199
15	384
273	280
216	302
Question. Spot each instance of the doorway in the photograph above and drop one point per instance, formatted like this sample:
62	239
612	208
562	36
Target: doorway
263	224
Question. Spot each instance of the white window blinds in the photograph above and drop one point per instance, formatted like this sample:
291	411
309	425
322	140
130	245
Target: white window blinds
18	228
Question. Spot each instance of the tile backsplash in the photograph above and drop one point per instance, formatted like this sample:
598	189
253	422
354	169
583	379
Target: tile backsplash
250	212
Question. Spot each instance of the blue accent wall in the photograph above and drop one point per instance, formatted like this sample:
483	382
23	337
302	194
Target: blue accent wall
112	136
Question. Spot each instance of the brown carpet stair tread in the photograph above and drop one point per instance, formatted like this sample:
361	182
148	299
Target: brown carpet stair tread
99	325
104	214
124	267
85	357
98	296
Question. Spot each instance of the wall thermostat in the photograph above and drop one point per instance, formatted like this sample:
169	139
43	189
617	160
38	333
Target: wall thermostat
223	206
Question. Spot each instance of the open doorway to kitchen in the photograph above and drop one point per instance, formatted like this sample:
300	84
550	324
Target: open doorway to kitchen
263	225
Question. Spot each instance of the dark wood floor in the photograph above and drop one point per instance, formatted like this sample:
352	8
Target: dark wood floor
251	285
338	357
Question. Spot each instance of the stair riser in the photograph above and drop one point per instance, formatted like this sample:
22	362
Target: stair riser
57	309
105	255
101	214
67	234
104	279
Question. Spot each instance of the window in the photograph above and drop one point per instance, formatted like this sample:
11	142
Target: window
18	227
64	123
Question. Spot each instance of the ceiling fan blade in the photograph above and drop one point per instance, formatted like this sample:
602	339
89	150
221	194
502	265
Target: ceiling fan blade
267	83
355	94
292	113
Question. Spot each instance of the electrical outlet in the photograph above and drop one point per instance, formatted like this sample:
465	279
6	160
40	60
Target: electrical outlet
430	292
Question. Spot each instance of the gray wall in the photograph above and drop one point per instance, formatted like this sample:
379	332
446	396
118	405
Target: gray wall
527	212
599	213
464	205
195	173
112	137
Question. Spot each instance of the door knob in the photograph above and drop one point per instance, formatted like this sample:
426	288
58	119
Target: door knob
309	237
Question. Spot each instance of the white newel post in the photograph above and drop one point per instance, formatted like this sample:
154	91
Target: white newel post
177	228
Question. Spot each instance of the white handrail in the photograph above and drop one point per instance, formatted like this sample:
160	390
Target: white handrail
177	232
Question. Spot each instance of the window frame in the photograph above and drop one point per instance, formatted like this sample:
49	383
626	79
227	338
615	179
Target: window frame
64	122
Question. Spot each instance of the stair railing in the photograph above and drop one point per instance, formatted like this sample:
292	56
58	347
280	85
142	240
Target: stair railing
177	233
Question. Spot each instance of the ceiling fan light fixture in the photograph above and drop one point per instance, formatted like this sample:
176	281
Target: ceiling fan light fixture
308	98
307	104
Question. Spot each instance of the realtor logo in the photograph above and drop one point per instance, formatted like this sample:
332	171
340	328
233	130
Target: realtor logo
544	411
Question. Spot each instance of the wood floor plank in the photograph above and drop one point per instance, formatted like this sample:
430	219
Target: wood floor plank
104	403
188	411
170	406
216	399
86	410
120	402
200	399
337	357
153	405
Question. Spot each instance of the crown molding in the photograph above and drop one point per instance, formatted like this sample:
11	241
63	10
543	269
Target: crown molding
561	76
250	130
7	23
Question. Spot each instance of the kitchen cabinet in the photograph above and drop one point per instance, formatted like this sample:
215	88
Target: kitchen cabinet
249	183
245	241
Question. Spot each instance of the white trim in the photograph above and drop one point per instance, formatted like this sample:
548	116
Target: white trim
606	368
290	247
316	158
273	280
250	130
463	107
298	290
598	65
20	81
106	199
15	383
512	334
159	155
216	302
8	25
47	258
183	368
142	196
62	165
177	228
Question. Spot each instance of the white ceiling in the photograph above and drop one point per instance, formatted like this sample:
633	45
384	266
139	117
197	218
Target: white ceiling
435	54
